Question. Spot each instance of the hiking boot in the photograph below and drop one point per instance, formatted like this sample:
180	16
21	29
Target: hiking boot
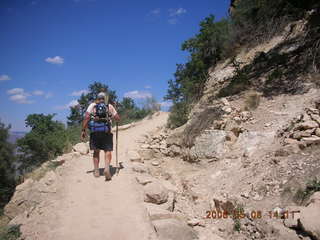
107	173
96	173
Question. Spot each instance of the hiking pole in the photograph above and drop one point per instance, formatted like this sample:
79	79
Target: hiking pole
117	163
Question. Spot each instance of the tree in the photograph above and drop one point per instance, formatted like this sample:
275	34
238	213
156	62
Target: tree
151	105
206	48
46	140
129	112
77	112
7	158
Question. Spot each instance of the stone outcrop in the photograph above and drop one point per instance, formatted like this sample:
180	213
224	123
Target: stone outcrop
82	148
210	144
173	229
134	156
155	193
307	219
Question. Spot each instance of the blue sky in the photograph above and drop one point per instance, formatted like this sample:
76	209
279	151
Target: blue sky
51	50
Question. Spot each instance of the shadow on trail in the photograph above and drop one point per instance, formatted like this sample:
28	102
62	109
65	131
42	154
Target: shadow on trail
113	170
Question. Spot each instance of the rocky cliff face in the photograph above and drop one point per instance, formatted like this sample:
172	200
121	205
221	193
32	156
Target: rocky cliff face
251	143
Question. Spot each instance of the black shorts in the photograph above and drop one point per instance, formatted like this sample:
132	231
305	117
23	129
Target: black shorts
101	141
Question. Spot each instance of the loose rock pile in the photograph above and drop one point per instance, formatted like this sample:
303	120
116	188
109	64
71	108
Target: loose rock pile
159	194
304	130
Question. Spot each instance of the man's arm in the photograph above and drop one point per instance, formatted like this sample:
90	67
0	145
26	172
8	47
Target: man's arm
85	125
116	117
114	113
85	121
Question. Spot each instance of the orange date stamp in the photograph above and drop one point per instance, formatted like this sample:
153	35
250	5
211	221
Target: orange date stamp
253	214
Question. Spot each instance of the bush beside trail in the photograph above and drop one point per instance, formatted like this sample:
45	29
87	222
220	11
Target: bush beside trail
250	23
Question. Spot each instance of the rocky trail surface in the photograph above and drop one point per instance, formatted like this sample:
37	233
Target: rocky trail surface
69	203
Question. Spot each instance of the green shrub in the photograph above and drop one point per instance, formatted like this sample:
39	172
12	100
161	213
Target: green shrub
236	224
46	140
239	81
7	158
311	187
206	49
251	21
256	20
178	115
10	232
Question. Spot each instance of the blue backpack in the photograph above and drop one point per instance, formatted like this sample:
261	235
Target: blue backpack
100	120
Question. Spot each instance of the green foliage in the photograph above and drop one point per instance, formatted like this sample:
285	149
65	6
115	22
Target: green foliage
178	115
206	49
236	224
239	211
249	22
73	134
151	105
129	112
46	140
7	183
127	109
311	187
257	19
239	81
11	232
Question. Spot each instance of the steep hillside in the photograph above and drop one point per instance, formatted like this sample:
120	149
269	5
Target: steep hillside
251	142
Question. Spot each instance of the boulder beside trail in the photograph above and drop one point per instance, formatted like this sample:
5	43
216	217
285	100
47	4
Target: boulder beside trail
139	167
155	212
208	145
134	156
173	229
144	179
81	148
146	154
307	220
155	193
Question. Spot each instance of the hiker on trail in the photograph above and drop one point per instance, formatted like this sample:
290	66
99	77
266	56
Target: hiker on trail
98	119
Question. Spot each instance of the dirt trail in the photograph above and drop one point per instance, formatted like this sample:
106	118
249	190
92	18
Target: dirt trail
91	208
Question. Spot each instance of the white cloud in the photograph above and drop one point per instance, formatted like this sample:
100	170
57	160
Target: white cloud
138	94
79	93
174	14
177	12
55	60
147	87
18	95
155	12
38	93
15	91
73	103
20	98
4	77
166	104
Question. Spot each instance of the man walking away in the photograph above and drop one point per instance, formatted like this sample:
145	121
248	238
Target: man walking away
98	119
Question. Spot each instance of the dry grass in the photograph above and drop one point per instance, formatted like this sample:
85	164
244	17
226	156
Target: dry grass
252	100
4	220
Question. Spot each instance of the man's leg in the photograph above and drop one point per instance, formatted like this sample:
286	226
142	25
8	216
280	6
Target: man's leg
107	156
96	158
